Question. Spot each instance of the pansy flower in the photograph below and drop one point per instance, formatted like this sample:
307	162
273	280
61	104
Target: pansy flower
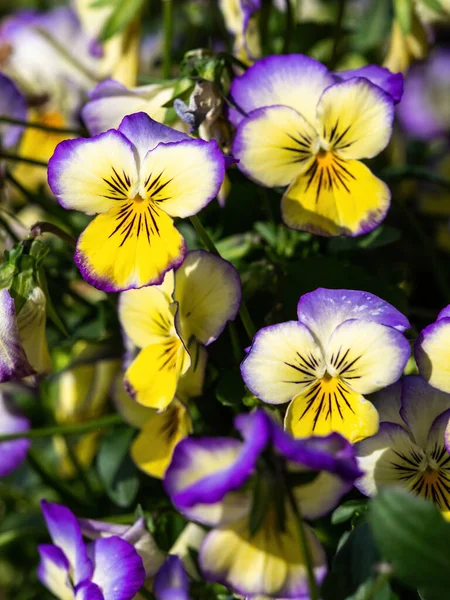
171	324
215	481
411	446
12	104
240	20
301	126
23	347
345	344
12	420
432	352
136	179
106	569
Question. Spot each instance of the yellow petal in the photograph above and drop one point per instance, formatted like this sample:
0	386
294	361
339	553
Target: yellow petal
269	562
355	118
153	376
330	405
146	314
131	411
130	246
208	292
153	448
274	145
31	323
335	197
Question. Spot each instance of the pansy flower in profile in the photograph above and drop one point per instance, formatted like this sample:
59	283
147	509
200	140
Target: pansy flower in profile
344	345
432	352
171	581
12	420
105	569
216	481
301	126
240	18
411	448
171	324
136	179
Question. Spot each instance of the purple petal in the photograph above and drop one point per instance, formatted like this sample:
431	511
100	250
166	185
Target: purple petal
204	470
445	312
391	83
12	104
13	361
118	568
171	582
89	591
53	570
137	535
66	534
145	133
331	453
423	111
291	80
12	421
324	309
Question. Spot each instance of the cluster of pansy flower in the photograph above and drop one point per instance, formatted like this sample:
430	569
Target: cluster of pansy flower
297	125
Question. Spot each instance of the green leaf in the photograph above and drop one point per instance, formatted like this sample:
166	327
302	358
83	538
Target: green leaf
374	26
435	5
354	563
115	467
261	499
122	15
230	389
403	13
373	590
50	307
413	535
347	510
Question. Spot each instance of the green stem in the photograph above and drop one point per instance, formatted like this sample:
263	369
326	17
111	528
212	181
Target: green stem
379	583
28	161
338	34
235	342
413	172
4	223
82	474
42	227
209	245
289	27
30	125
312	584
49	479
77	428
168	35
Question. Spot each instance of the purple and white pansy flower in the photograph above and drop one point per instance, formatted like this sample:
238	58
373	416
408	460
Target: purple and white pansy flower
215	481
106	569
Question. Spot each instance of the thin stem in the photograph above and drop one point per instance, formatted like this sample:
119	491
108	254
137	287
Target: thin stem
338	34
289	27
17	158
235	342
42	227
380	582
76	428
6	226
168	35
312	584
31	125
209	245
82	474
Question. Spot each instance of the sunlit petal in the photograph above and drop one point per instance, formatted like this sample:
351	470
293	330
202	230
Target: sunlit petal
335	197
93	175
53	572
283	361
355	118
274	145
183	177
366	355
153	448
208	292
131	246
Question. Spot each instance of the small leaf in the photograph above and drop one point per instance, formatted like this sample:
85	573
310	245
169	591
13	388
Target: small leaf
347	510
122	15
435	5
374	26
115	467
413	535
